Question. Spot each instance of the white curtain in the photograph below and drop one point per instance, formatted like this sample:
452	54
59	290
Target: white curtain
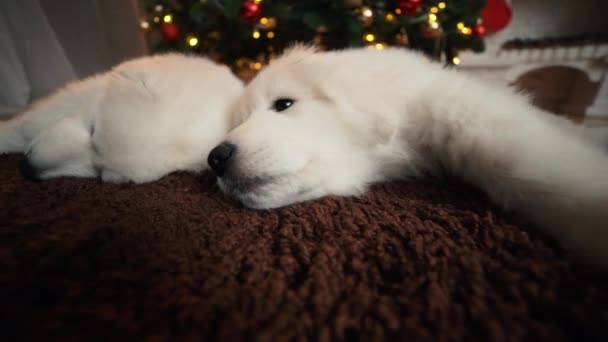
46	43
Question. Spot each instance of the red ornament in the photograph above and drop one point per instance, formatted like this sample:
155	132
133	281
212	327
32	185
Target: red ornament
251	12
496	15
479	30
170	31
409	7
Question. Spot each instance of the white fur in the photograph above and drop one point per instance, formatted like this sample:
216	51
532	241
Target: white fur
138	122
363	116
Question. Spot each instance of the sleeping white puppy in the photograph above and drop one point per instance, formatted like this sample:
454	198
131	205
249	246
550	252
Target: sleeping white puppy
313	124
138	122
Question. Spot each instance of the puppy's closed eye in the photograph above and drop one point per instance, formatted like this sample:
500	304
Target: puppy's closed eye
282	104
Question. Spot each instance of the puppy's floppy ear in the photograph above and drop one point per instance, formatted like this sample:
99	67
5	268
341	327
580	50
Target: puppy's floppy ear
132	81
361	103
369	114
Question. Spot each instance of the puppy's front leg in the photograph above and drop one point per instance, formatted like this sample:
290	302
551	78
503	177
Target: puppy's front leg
527	163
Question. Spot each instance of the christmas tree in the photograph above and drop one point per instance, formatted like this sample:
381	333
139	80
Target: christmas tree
250	33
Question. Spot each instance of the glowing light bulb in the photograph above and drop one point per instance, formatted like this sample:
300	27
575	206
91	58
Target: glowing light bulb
434	25
460	25
456	60
257	65
369	37
379	46
441	5
192	41
432	18
368	13
256	34
434	9
257	1
390	17
270	34
156	19
144	24
168	18
264	21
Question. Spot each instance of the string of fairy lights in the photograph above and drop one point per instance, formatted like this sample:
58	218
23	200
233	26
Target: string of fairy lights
263	26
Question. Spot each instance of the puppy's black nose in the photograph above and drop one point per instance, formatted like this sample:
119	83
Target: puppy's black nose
27	169
219	158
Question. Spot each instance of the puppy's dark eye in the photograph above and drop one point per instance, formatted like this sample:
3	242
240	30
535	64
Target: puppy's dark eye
282	104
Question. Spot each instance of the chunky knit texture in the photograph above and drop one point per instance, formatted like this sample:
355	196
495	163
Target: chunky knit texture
177	260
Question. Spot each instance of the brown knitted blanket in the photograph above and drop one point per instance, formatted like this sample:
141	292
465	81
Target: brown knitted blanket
176	260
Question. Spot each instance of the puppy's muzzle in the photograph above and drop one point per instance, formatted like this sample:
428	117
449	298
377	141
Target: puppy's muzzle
220	157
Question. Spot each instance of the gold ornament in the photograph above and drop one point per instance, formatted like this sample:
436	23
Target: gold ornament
214	35
319	42
366	15
319	38
431	30
402	39
241	62
244	68
267	23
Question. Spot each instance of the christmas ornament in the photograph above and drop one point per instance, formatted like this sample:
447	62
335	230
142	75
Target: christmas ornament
319	42
267	23
214	35
496	15
479	30
366	15
251	12
409	7
430	30
170	31
244	68
402	39
319	38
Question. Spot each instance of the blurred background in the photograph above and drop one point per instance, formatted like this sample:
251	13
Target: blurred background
556	50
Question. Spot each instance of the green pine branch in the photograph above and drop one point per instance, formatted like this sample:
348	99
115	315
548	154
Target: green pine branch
222	33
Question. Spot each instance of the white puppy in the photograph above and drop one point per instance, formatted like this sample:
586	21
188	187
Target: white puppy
313	124
138	122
